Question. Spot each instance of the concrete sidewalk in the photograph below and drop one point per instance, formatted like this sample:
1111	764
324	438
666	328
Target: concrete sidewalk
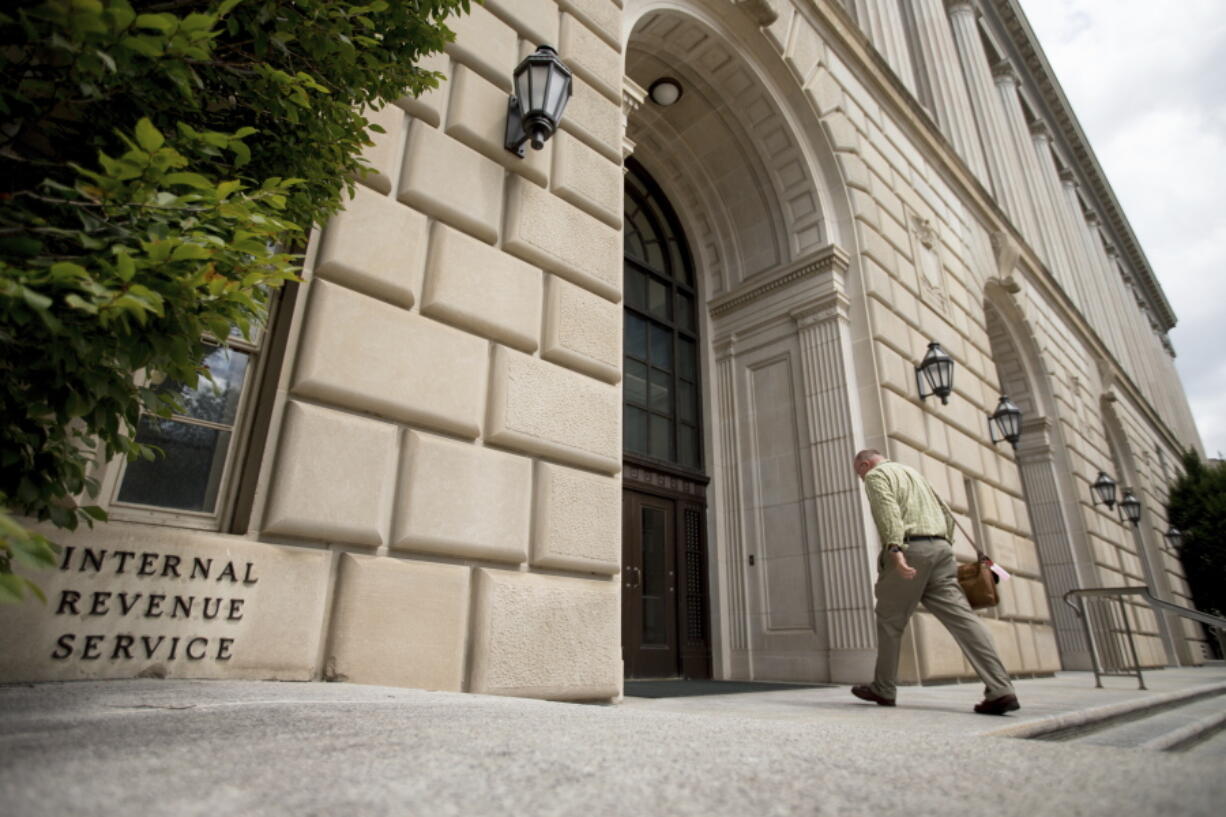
235	748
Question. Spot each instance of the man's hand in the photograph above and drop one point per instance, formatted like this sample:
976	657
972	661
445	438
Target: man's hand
900	563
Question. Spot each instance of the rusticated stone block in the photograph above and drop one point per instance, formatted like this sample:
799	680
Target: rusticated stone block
542	636
364	354
535	20
547	231
578	520
478	118
398	623
429	106
582	331
381	156
591	57
474	286
540	408
484	43
377	246
587	179
335	476
458	499
451	182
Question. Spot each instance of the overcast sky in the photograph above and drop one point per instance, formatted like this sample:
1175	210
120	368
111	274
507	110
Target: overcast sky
1147	81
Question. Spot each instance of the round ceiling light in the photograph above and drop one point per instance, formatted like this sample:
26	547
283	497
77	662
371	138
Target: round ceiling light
665	91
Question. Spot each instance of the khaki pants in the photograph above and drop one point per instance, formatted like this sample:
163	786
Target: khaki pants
936	586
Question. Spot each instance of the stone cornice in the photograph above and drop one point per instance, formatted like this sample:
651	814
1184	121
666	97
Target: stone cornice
1024	40
829	258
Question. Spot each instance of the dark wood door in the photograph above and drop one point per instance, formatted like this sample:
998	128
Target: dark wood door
650	644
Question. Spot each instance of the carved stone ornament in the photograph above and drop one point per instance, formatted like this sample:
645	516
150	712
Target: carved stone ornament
762	12
1006	252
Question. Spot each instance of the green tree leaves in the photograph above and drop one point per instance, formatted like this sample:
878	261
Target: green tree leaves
1197	507
160	163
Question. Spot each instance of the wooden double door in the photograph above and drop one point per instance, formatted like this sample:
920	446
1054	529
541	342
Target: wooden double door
665	606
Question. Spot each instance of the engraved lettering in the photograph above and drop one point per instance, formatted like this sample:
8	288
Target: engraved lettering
126	606
183	603
171	565
90	652
92	558
69	599
99	608
223	649
247	577
201	567
174	647
188	649
151	648
63	646
154	608
228	570
123	556
147	567
236	610
216	607
68	551
122	643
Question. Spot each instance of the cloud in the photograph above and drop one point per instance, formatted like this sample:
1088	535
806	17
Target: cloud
1147	83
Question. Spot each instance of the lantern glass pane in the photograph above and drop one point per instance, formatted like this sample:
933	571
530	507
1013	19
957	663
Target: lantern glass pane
945	373
539	75
555	98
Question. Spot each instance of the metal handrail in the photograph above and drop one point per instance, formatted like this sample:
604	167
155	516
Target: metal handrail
1119	592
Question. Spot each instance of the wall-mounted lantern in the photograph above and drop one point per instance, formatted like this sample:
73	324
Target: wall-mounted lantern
1102	492
1130	506
1173	537
665	91
542	89
1005	424
936	371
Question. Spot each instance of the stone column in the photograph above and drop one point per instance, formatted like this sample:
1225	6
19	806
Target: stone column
824	334
1047	239
949	94
1002	163
881	20
735	616
1091	277
1107	281
1060	217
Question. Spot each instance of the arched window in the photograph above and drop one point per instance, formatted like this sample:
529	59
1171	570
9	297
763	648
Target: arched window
663	418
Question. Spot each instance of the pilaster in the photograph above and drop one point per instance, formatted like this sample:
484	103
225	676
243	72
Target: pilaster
881	20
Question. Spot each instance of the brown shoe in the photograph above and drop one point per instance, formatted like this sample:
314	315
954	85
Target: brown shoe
865	693
998	706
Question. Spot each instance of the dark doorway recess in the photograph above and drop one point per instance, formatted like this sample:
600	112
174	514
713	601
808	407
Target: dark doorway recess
687	688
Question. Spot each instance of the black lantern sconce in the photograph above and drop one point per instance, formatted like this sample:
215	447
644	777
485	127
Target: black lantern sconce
936	371
1102	491
1005	424
542	89
1130	506
1174	537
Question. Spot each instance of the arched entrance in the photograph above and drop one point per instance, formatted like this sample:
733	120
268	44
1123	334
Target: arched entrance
665	630
1046	473
745	163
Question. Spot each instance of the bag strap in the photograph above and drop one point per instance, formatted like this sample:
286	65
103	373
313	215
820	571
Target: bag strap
982	557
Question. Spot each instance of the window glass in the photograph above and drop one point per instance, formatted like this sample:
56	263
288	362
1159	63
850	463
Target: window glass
636	336
661	347
636	430
661	391
635	382
188	477
661	438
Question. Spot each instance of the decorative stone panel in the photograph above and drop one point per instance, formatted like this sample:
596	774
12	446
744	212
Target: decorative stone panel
451	182
477	288
562	239
541	408
582	330
578	520
543	636
133	601
376	246
335	476
398	623
459	499
364	354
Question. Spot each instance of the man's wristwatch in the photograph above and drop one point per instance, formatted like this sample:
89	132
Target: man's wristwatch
894	549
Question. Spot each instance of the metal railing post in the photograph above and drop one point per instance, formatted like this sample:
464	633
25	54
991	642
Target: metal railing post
1085	622
1132	647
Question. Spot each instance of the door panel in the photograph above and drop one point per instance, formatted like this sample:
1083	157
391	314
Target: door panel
649	587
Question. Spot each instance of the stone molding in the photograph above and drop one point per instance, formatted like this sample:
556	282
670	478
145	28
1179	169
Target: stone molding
762	12
830	258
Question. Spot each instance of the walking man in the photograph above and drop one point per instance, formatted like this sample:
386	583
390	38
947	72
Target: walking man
917	564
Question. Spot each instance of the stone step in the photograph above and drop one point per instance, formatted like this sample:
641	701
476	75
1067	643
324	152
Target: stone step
1213	746
1167	726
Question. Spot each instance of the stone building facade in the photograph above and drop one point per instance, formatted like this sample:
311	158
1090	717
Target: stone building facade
532	426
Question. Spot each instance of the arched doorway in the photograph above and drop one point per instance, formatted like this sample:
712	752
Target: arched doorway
1046	474
665	607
